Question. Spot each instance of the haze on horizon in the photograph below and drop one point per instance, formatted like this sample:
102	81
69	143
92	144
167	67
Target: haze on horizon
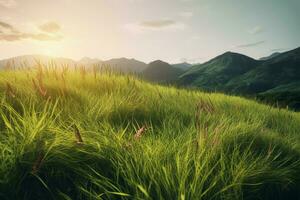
170	30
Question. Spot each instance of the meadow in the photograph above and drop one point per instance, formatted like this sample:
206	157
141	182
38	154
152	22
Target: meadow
79	134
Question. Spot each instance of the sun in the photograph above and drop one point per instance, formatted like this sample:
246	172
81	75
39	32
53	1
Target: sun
52	50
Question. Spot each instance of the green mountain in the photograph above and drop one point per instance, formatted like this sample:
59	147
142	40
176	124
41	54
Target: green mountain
280	70
239	74
159	71
288	94
273	55
183	66
218	71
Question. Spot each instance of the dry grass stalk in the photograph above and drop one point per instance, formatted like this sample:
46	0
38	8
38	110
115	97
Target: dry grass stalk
200	124
8	66
127	146
38	163
216	140
77	135
95	67
82	72
203	107
197	118
55	75
40	88
65	69
270	150
62	87
197	145
40	157
140	133
9	90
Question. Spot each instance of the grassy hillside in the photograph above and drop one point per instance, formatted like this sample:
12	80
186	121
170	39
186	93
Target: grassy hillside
80	135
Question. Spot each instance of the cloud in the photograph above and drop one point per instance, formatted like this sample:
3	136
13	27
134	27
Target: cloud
9	33
256	30
33	36
186	14
158	23
7	26
155	25
278	49
250	44
50	27
8	3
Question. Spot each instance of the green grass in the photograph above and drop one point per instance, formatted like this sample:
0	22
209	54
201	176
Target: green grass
197	145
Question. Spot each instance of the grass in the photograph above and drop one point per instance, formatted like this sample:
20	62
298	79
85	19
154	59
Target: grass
90	135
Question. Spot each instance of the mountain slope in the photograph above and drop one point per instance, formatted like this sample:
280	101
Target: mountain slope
88	61
218	71
28	61
280	70
183	66
159	71
125	65
239	74
273	55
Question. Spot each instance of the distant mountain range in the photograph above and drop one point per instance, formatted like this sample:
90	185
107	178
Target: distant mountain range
31	61
275	78
163	70
119	64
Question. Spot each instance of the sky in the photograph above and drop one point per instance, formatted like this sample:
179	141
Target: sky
171	30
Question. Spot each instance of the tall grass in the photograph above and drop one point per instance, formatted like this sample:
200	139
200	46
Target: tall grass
108	136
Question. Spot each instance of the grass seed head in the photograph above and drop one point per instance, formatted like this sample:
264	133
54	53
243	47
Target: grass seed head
77	135
9	90
140	133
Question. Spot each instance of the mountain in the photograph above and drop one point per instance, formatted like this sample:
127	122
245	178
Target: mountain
126	65
284	95
118	64
273	55
159	71
29	61
272	79
88	61
183	66
218	71
280	70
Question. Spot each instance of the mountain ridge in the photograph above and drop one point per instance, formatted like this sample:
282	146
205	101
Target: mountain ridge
160	71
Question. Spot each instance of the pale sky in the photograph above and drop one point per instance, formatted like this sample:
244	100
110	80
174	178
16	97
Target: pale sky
147	30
